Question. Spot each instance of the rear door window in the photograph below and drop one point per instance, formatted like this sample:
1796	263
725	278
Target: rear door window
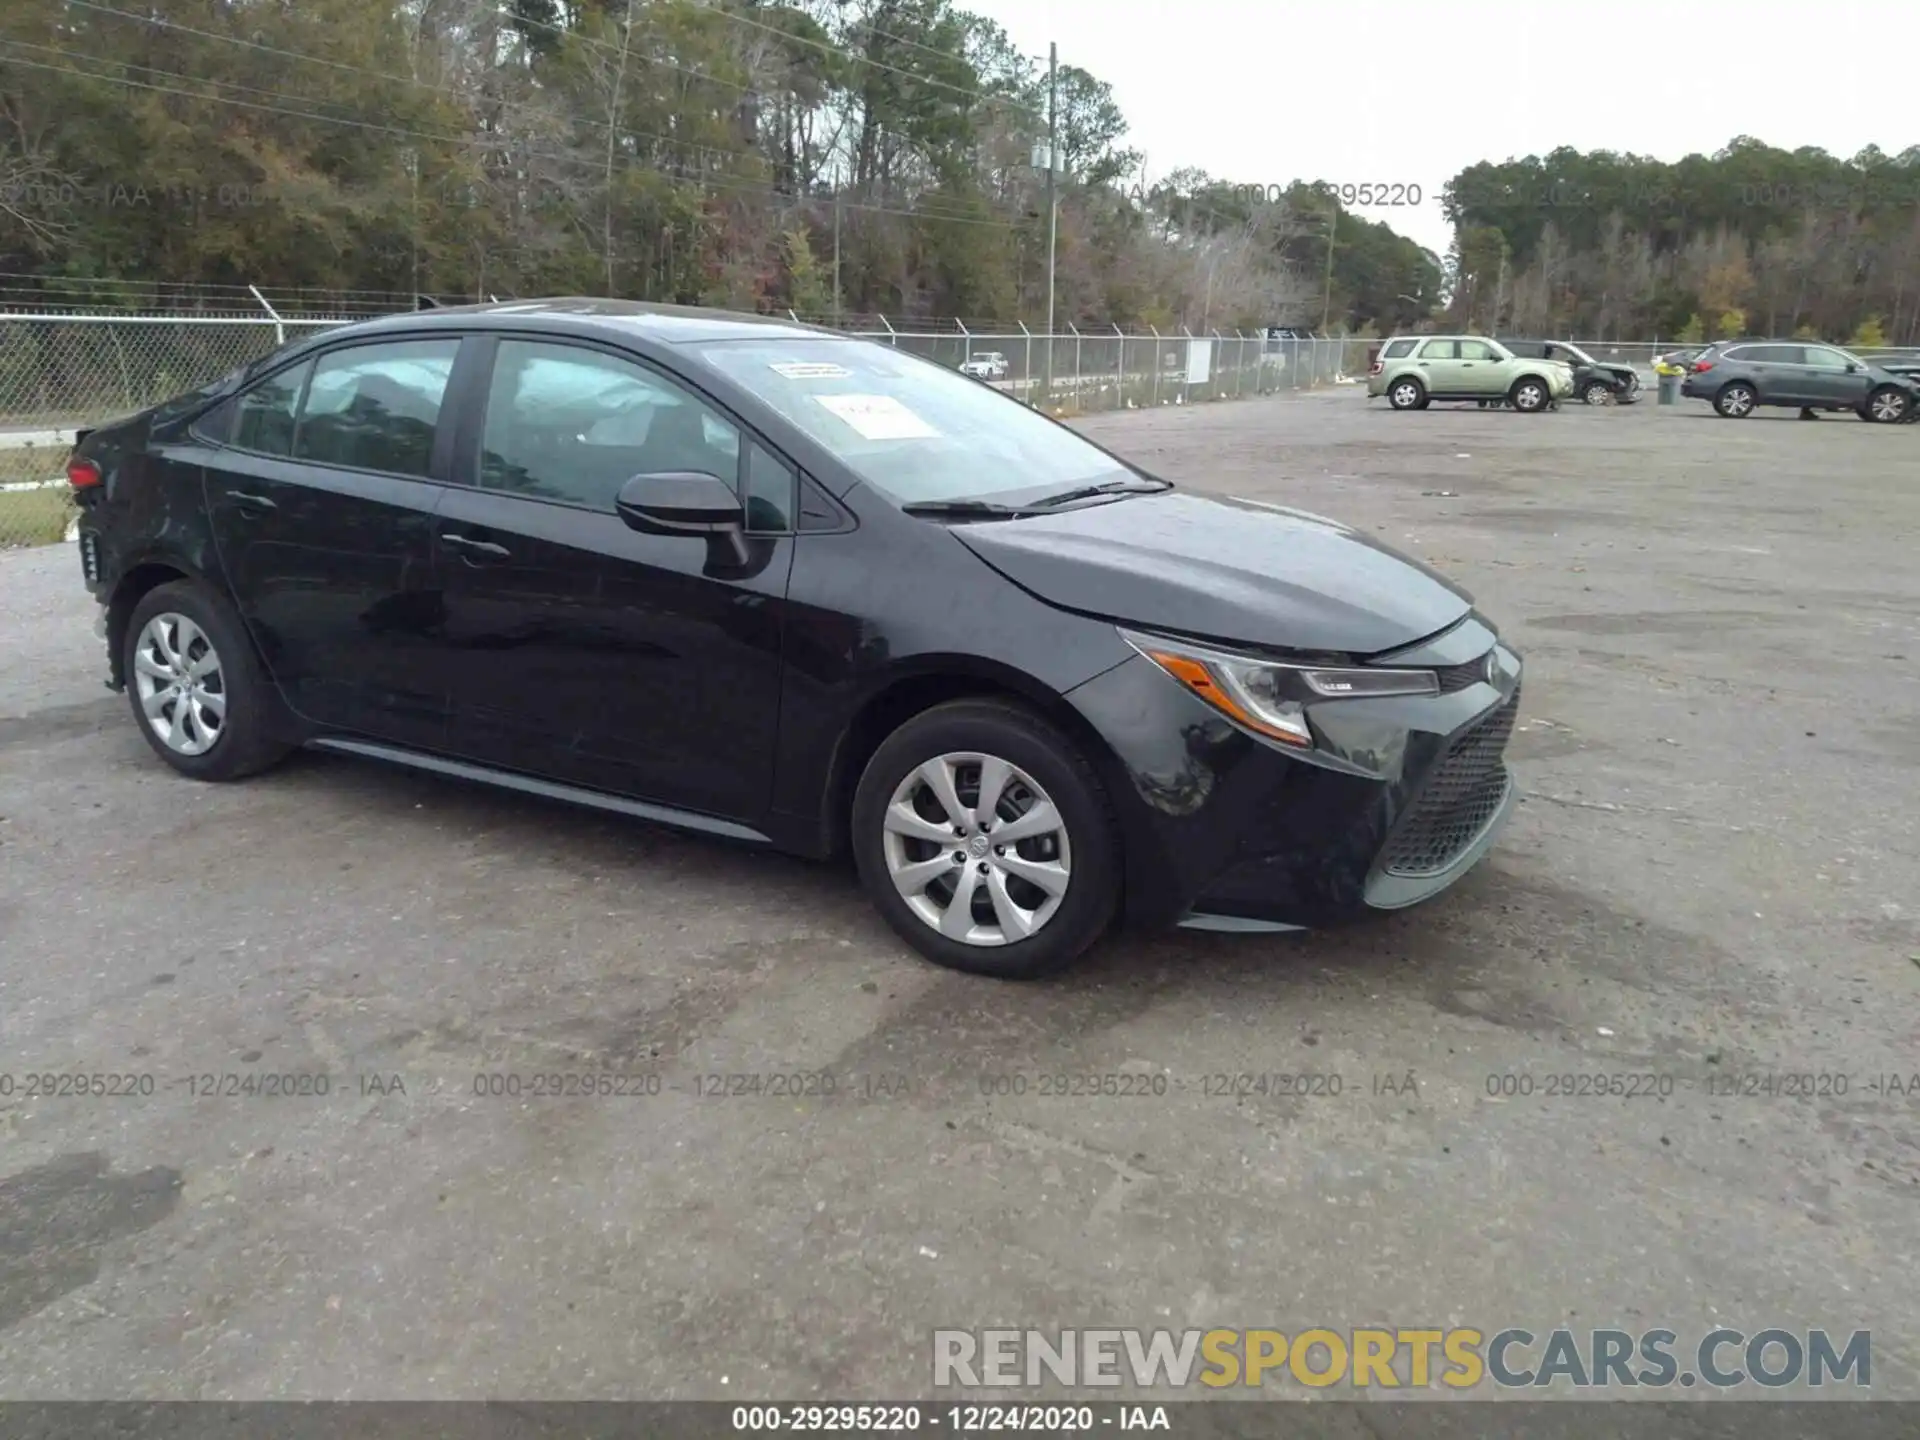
376	407
263	417
1440	350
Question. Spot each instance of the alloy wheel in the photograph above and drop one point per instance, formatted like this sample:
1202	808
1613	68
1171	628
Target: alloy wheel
1529	397
1737	401
1405	395
182	691
977	849
1888	406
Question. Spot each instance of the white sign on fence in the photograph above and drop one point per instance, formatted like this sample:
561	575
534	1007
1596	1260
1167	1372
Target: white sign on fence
1199	358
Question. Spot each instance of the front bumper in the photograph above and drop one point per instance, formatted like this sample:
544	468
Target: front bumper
1223	830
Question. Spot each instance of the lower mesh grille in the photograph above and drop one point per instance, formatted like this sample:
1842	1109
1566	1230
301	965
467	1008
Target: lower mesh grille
1460	797
1459	677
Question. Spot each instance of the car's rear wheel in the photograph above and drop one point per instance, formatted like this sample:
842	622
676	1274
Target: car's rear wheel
1888	406
1735	401
1598	392
1529	395
196	689
984	837
1407	394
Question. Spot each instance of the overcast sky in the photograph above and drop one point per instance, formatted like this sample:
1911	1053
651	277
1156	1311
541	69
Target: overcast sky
1354	91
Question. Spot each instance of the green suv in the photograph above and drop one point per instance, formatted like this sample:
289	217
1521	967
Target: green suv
1413	370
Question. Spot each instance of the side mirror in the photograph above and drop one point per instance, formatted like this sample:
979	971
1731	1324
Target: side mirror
1851	367
691	504
680	502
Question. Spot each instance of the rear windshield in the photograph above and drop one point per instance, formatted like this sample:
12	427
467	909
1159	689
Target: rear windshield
913	429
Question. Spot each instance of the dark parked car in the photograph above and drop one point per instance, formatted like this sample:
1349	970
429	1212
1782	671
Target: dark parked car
1596	382
1738	377
798	590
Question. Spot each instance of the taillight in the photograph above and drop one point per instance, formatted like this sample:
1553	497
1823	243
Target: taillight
1700	367
1376	367
82	474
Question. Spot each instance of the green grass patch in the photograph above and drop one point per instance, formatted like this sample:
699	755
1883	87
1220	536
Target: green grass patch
34	517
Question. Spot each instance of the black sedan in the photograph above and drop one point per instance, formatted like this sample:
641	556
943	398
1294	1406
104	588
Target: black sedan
1596	382
805	591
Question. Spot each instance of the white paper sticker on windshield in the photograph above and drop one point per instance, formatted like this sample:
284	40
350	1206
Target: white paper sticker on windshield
878	417
810	370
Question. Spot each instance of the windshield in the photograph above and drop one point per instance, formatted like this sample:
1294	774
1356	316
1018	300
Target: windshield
1564	351
908	427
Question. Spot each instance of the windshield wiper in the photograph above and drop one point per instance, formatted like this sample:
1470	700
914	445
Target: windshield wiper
963	509
1141	486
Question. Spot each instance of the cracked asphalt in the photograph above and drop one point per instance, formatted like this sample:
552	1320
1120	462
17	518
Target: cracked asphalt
1712	881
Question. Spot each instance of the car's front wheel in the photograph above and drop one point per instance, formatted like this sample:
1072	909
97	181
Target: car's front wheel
1735	401
1407	394
1529	396
1598	392
196	689
1888	406
984	837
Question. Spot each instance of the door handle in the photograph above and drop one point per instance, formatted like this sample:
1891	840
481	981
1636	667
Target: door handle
251	502
470	546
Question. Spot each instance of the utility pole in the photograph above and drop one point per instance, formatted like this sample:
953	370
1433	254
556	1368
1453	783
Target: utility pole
1053	203
1326	303
836	254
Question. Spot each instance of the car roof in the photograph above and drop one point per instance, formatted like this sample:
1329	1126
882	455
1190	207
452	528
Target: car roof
584	314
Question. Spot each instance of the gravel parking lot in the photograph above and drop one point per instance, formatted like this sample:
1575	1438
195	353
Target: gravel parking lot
1713	878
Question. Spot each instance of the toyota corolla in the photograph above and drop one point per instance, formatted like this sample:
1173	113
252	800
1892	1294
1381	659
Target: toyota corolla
804	591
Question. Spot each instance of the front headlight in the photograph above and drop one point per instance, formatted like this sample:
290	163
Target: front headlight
1266	696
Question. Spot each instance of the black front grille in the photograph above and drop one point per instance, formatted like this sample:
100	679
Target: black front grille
1459	677
1462	794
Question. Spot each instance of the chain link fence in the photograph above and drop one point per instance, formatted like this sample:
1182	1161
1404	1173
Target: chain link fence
61	372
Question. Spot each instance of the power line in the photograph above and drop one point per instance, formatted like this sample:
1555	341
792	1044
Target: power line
935	50
940	211
975	93
703	181
358	70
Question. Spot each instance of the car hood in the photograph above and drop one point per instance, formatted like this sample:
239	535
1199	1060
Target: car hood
1227	570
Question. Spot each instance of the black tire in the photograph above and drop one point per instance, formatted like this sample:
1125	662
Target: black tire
1030	744
1529	395
1735	401
244	743
1888	405
1597	392
1407	393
